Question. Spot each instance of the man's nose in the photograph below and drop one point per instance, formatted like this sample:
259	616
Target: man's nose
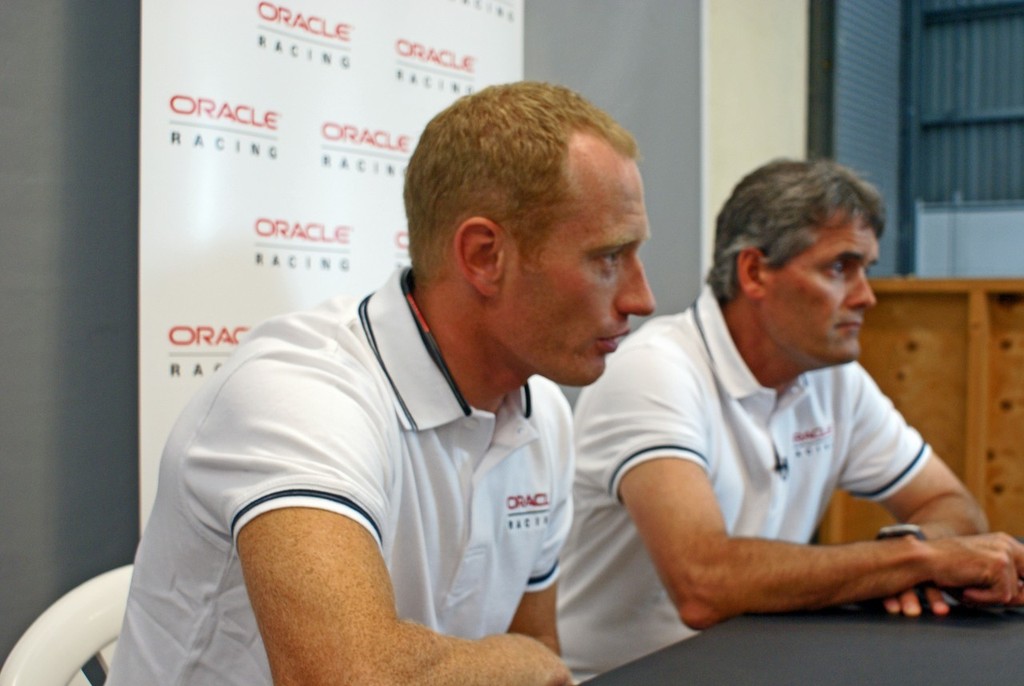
636	297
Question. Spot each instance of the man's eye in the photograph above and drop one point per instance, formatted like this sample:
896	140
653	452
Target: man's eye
838	267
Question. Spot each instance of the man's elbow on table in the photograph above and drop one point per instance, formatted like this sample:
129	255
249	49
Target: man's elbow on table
696	605
699	617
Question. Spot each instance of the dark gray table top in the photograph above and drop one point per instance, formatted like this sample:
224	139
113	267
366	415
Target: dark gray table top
849	645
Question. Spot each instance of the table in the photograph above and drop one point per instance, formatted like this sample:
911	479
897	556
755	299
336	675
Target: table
848	645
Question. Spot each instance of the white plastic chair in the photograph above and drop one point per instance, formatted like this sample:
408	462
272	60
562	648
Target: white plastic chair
82	624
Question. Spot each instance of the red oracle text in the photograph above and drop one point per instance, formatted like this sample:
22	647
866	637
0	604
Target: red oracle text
313	25
312	232
812	434
183	335
207	108
382	140
516	502
402	240
442	58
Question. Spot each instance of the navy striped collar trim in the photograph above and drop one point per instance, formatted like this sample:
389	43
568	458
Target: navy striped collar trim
430	344
364	319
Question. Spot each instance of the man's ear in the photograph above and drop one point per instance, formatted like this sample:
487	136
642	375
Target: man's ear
481	247
751	270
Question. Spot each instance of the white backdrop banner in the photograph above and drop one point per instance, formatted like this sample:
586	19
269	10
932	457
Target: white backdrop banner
273	142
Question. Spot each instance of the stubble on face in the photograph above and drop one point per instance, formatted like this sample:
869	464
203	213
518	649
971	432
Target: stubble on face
569	290
819	297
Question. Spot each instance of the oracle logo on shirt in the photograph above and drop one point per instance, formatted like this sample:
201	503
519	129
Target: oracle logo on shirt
527	512
815	434
534	501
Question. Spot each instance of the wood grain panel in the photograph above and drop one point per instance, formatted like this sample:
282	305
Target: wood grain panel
950	355
1004	451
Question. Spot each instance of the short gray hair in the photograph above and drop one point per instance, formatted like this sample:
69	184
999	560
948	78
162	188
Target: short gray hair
778	209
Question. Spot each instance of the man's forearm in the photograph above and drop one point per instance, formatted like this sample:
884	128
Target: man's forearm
757	575
938	502
510	659
950	515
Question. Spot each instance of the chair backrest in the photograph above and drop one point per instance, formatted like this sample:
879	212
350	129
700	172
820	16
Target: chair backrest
81	625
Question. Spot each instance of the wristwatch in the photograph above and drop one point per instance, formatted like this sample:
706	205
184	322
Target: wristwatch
900	530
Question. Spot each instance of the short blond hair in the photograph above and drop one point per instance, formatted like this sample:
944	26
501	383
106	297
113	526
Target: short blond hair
500	153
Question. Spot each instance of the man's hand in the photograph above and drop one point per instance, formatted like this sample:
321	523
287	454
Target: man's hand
909	603
985	569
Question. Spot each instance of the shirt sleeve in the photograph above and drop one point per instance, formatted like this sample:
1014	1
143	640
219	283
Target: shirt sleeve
287	430
651	402
884	452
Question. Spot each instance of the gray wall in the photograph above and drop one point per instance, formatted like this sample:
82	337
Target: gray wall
68	369
68	250
640	61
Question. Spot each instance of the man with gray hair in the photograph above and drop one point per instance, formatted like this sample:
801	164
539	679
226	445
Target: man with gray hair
709	450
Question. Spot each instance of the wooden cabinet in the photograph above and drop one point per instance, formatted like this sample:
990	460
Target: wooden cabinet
950	355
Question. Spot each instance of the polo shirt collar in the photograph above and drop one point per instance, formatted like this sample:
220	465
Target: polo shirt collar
426	396
730	368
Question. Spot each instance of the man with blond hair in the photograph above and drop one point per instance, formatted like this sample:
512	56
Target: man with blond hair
377	490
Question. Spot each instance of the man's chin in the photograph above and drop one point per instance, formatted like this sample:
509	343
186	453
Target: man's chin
846	357
579	376
845	350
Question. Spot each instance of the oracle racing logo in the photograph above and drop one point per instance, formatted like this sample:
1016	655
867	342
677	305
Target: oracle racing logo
366	137
814	442
534	501
314	25
310	232
526	512
183	335
208	109
816	434
446	59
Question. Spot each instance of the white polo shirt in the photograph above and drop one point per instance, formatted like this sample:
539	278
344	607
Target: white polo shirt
346	408
679	388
